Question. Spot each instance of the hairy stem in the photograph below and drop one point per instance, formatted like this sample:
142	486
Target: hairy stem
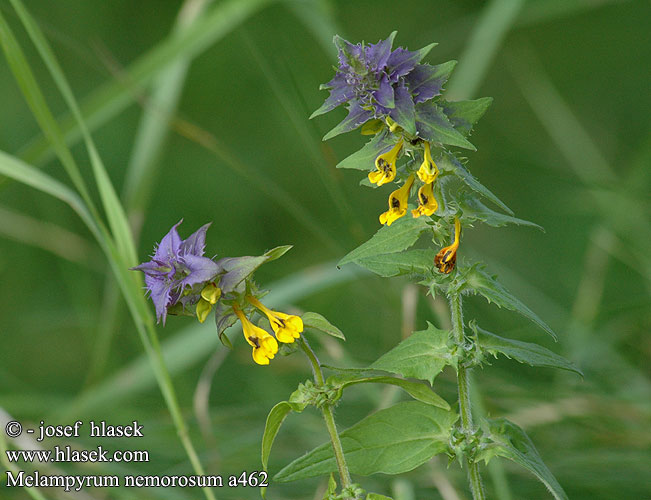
465	407
329	418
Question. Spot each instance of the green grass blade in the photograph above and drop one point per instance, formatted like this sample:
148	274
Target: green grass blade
116	217
36	102
114	97
19	171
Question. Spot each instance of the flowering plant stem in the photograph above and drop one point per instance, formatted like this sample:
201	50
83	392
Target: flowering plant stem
465	408
329	418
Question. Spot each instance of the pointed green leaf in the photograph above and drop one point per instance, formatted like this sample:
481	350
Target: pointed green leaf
318	322
355	118
449	163
364	159
482	283
422	355
510	441
275	419
389	239
377	496
473	210
433	126
277	253
396	264
425	50
332	488
417	390
464	114
237	269
524	352
391	441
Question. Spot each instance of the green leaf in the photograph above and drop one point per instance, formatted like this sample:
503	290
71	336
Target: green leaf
419	391
237	269
277	253
433	126
332	488
318	322
425	50
396	264
422	355
481	282
389	239
473	209
377	496
391	441
464	114
275	419
355	118
524	352
510	441
449	163
364	159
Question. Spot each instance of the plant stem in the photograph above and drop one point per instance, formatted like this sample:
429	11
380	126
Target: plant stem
329	418
465	407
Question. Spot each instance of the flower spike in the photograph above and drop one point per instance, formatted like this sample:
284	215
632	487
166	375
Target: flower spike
447	257
287	327
397	203
385	165
427	204
428	171
264	345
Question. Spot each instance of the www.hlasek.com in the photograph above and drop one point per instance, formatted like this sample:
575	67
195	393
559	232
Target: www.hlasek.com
42	432
67	454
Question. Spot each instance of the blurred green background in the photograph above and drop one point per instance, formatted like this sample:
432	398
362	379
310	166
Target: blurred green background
565	144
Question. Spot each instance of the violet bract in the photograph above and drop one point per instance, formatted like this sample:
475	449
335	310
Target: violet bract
177	265
378	82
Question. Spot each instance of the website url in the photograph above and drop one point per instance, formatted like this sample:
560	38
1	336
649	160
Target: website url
66	454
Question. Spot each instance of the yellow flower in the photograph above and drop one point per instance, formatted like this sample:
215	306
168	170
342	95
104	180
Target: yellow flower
386	166
428	171
397	203
209	297
264	345
427	204
447	257
287	327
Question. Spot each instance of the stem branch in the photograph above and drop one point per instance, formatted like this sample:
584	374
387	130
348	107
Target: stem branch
329	418
465	407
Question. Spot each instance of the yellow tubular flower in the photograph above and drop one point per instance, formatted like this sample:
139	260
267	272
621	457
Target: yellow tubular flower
447	257
427	204
428	171
386	166
397	203
209	297
287	327
264	345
